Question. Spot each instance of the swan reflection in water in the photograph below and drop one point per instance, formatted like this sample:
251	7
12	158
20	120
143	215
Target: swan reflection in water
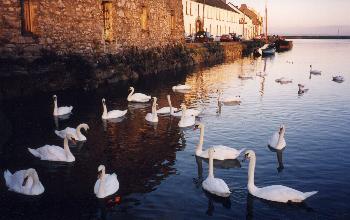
59	118
112	120
279	154
225	164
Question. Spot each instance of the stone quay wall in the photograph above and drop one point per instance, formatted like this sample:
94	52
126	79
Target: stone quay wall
81	26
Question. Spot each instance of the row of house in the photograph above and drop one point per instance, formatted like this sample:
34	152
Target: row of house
220	17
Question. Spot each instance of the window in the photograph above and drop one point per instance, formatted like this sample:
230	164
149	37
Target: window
27	10
172	20
144	18
107	20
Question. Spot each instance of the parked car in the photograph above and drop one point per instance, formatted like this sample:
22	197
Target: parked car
226	38
217	38
203	36
189	38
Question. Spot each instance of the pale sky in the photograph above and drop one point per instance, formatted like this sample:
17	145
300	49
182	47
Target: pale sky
304	16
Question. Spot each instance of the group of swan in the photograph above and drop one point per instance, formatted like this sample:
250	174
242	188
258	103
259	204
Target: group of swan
218	187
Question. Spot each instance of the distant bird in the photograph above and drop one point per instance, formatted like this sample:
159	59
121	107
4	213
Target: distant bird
106	184
75	132
137	97
153	117
181	87
275	193
261	74
315	72
302	89
111	114
214	185
338	79
245	77
64	110
24	182
283	80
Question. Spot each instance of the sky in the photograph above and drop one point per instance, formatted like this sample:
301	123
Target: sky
308	17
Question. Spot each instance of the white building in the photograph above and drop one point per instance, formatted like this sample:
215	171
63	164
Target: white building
215	16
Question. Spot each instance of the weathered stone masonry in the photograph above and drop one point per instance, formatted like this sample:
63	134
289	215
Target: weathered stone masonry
88	27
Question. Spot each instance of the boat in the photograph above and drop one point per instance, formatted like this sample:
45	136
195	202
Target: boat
270	50
283	45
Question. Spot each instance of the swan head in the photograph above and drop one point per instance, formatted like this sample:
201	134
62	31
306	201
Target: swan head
100	169
183	106
54	97
282	129
249	154
211	152
85	126
198	126
70	138
131	88
103	101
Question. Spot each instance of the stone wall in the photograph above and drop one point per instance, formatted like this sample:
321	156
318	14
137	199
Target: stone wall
77	26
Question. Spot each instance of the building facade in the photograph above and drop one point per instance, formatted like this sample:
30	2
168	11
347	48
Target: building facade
88	26
255	17
217	17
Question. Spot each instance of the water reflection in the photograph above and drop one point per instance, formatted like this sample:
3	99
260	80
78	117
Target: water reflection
279	155
225	202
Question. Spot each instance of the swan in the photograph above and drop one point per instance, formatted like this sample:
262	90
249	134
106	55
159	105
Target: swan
186	120
55	153
229	99
315	72
24	182
74	132
277	140
106	184
64	110
181	87
153	117
221	152
302	89
137	97
111	114
245	77
338	78
284	80
214	185
167	110
189	112
276	193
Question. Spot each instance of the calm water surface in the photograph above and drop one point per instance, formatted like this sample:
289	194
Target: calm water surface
159	176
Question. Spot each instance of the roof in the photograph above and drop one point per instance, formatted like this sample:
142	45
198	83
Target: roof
217	4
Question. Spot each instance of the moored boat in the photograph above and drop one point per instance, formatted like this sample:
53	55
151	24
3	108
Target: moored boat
283	45
270	50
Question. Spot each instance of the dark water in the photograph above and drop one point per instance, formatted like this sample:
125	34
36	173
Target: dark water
158	174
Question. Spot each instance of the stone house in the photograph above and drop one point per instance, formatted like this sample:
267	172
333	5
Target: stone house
87	27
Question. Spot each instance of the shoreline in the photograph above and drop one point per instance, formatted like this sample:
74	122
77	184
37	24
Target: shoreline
317	37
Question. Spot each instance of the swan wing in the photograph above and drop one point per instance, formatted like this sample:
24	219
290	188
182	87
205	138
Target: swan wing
64	110
216	186
166	110
68	130
49	152
272	142
111	184
140	97
224	153
116	113
187	121
279	193
193	112
97	185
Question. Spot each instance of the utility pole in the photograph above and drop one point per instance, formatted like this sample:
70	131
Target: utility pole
203	14
266	21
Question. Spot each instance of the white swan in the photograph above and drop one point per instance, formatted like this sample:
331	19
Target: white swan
74	132
106	184
284	80
186	120
137	97
24	181
229	99
111	114
214	185
167	110
338	78
181	87
153	117
302	89
64	110
221	152
276	193
55	153
315	72
189	112
277	140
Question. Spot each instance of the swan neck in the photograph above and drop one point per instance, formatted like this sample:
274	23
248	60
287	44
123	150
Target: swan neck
101	189
251	171
78	130
34	176
211	166
131	93
55	107
66	146
104	110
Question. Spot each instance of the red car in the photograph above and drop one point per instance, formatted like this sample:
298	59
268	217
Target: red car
226	38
